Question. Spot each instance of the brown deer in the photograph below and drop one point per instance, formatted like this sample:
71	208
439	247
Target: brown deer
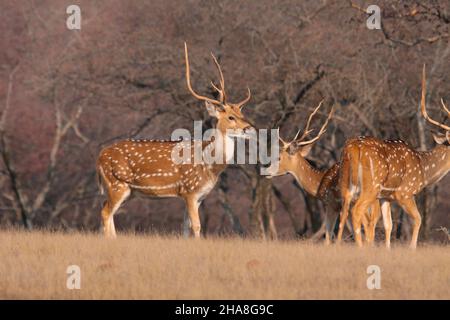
147	166
319	183
390	170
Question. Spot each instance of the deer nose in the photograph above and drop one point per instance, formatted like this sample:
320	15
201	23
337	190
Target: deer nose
248	128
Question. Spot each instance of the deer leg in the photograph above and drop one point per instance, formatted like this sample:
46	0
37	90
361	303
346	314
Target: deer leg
186	224
105	217
116	197
356	221
343	217
331	213
387	222
330	224
334	225
409	205
373	220
365	218
192	207
359	210
327	229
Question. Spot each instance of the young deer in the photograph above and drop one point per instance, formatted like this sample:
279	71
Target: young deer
147	166
392	171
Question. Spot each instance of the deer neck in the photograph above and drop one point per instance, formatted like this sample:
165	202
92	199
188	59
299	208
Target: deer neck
222	145
307	176
435	163
225	145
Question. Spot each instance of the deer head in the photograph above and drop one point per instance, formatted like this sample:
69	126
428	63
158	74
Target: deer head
293	152
229	115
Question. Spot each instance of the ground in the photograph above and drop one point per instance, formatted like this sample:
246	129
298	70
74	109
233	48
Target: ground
34	265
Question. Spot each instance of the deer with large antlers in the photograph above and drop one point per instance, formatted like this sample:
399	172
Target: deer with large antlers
147	166
390	170
318	183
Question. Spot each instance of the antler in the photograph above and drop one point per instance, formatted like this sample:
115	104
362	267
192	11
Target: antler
423	106
285	144
298	141
445	107
188	81
221	90
221	93
241	104
306	131
321	132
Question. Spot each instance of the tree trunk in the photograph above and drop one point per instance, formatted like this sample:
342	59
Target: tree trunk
261	218
287	206
18	199
234	219
313	215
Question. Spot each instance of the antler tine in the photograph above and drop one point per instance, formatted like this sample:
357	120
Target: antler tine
282	141
306	130
305	133
247	99
222	80
423	105
221	93
188	80
445	107
321	132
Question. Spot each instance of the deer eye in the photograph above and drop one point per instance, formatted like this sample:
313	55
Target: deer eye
231	118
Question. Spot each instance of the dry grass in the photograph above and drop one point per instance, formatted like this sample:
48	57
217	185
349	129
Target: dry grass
33	265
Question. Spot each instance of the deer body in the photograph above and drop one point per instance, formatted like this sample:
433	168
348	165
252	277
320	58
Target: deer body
149	167
389	170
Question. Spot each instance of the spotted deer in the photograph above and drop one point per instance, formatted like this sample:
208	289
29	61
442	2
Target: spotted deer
390	170
318	183
147	166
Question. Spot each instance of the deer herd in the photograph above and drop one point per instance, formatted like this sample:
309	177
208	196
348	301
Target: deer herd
371	173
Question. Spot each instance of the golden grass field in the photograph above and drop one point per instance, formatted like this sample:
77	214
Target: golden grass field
33	266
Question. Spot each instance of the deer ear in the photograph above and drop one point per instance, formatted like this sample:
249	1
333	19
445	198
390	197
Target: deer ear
213	110
440	138
304	151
